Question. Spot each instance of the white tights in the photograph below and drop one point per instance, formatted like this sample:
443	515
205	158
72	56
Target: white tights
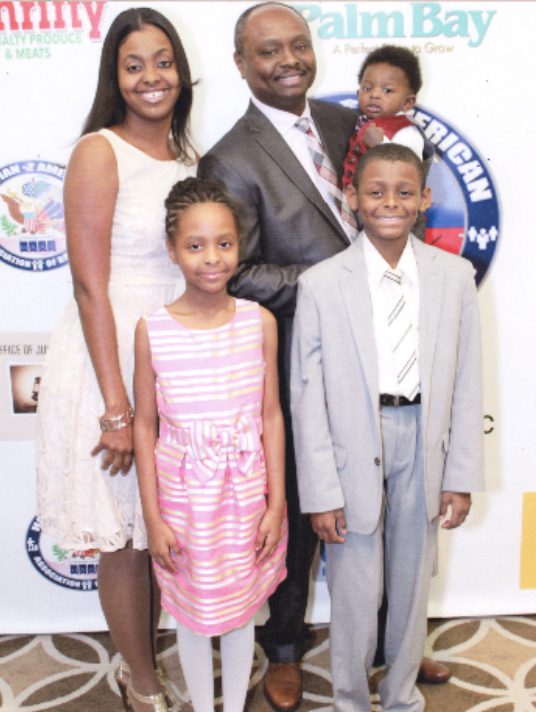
195	653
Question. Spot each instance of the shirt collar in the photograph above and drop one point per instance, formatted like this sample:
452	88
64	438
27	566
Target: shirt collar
283	121
407	264
377	265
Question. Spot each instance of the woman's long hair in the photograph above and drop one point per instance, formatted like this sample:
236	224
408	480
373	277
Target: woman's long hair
109	108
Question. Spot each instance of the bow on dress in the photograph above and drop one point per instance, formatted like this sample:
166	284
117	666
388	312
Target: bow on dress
209	445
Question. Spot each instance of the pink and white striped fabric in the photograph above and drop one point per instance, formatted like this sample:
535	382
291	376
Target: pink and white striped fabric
211	471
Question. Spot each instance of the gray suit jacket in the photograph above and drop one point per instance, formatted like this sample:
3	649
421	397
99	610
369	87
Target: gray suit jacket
287	225
334	385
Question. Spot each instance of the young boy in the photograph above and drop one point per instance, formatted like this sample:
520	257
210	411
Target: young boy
389	81
387	420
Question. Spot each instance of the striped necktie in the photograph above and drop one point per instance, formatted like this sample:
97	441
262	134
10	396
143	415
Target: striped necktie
402	335
327	173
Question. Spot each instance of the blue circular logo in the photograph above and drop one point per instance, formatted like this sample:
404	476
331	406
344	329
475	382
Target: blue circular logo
69	568
464	215
32	225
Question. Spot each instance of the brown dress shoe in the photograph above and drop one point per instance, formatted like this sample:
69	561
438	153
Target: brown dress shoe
283	686
433	672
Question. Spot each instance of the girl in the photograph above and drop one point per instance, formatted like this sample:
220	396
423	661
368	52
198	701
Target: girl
133	149
213	497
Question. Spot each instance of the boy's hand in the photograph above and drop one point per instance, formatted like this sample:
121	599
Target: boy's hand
330	526
268	534
162	542
373	135
459	504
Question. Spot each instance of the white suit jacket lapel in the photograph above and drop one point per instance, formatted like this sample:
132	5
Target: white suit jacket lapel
356	296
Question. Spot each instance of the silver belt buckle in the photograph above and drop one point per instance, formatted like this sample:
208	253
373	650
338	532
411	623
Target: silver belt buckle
397	401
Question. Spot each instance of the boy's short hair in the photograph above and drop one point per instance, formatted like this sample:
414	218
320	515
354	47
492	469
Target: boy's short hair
389	152
399	57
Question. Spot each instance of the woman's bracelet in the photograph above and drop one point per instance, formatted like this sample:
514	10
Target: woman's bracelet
110	423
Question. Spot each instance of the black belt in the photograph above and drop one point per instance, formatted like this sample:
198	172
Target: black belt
388	399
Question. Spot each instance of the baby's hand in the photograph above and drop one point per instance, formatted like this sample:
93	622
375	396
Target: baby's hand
373	135
162	542
330	526
268	534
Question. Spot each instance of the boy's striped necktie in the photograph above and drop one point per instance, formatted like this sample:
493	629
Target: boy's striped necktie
402	335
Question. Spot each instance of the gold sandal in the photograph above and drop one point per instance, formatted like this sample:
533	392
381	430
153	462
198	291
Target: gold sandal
157	702
171	699
122	676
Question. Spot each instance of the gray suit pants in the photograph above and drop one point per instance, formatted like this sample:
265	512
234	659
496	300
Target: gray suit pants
402	551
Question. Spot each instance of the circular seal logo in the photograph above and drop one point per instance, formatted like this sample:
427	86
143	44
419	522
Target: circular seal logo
464	215
69	568
32	226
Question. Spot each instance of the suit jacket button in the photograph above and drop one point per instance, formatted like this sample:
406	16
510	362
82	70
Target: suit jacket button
377	461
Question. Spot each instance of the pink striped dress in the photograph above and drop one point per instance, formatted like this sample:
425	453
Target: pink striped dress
211	471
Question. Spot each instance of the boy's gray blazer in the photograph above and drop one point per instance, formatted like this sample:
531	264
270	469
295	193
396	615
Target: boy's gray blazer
334	385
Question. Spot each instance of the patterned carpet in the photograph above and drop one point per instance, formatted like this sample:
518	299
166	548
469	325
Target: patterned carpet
493	663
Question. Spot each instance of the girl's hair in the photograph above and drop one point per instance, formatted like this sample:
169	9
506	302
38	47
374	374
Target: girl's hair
109	106
195	191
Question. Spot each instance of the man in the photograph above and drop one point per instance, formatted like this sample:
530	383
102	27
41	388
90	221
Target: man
293	218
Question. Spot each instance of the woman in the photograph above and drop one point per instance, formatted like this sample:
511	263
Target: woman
134	147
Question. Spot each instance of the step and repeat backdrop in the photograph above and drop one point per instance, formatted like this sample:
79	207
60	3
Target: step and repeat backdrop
476	107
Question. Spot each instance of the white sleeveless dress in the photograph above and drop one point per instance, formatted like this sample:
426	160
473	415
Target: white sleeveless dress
79	505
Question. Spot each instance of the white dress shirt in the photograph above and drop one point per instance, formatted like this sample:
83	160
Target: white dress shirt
376	267
285	123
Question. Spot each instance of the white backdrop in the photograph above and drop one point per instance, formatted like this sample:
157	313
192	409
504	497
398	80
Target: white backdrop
476	99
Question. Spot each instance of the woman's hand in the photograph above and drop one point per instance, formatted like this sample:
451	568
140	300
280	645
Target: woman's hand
117	449
268	534
162	542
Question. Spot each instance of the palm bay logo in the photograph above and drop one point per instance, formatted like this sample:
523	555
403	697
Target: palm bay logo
346	21
32	225
464	215
69	568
